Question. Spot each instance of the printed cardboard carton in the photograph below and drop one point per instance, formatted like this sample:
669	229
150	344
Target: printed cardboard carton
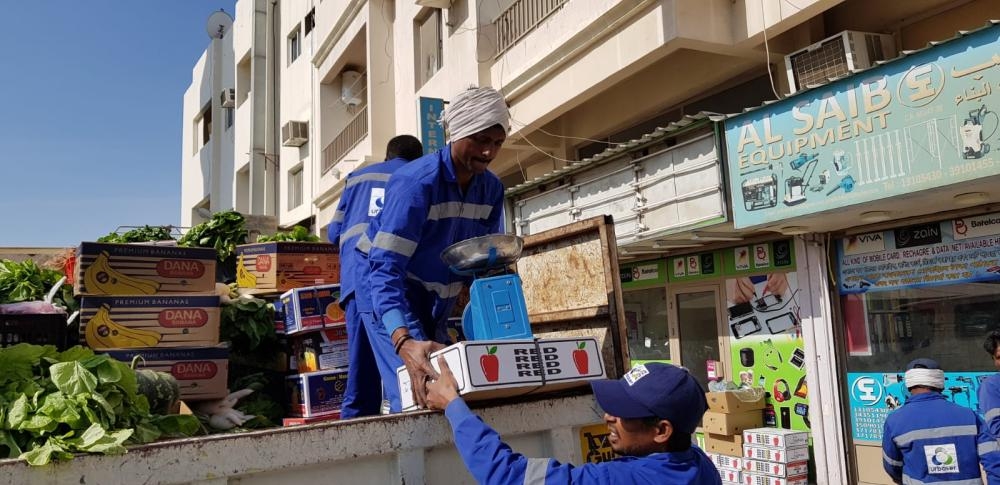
324	349
716	422
780	455
776	437
123	322
504	368
724	444
738	401
316	393
200	372
281	266
143	270
726	462
757	479
776	469
311	307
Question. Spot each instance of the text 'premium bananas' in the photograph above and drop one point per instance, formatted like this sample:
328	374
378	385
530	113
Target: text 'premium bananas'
132	269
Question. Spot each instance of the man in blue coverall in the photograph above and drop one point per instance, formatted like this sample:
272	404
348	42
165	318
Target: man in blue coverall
432	202
651	414
931	440
989	390
364	192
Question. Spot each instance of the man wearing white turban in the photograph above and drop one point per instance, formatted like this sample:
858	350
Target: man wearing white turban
432	202
931	440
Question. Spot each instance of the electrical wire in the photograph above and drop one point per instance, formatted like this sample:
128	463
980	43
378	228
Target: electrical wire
767	49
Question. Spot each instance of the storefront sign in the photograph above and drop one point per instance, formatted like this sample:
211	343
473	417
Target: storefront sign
919	122
742	260
431	131
594	446
643	274
873	395
923	255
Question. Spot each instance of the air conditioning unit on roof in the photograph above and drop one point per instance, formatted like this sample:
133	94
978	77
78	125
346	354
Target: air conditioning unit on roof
295	133
837	56
228	98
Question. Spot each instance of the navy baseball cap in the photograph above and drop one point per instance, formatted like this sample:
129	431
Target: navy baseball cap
654	390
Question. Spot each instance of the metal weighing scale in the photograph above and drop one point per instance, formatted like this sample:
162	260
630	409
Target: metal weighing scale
496	309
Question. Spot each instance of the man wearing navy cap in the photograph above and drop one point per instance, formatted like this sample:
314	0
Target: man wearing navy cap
931	440
651	414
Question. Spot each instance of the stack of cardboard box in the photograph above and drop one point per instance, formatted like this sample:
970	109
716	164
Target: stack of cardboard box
774	456
157	302
729	414
316	331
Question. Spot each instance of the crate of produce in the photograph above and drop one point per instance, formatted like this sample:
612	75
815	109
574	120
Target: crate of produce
282	266
138	269
37	329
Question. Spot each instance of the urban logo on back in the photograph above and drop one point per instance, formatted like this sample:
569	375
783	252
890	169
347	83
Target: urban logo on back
941	458
376	201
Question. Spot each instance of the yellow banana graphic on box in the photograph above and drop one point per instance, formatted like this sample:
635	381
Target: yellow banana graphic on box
101	278
244	278
104	333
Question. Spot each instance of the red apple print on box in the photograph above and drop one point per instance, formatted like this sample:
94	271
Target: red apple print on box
580	358
490	365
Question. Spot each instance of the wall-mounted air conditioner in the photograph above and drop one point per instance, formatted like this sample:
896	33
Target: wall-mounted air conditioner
295	133
837	56
351	87
228	98
434	3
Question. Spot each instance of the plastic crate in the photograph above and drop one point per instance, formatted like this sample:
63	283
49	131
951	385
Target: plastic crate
38	329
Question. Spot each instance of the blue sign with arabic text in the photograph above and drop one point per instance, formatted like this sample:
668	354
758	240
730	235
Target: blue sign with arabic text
431	131
919	122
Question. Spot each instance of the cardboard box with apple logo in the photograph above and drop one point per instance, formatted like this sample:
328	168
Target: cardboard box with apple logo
491	369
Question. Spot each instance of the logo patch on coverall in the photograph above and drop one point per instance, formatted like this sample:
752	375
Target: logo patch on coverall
376	201
941	458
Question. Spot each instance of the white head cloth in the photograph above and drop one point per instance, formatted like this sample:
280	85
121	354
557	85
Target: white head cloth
925	377
475	110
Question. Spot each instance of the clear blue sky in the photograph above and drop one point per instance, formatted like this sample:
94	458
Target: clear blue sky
90	114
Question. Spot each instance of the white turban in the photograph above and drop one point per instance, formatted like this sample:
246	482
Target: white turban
475	110
933	378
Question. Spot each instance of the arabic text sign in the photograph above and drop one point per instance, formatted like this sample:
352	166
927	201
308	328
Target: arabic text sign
919	122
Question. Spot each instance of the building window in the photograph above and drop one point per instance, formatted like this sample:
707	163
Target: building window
230	115
203	127
646	318
294	44
310	21
295	187
428	44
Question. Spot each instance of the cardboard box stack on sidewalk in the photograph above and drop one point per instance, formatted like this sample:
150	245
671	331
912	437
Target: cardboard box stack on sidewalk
729	414
157	302
774	456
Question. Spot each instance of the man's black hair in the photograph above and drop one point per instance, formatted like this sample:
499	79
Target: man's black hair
677	442
992	342
407	147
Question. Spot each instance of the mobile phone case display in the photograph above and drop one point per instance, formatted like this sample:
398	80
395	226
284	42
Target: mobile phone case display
767	348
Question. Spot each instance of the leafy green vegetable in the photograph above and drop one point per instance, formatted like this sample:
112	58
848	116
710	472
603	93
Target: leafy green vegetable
224	231
26	281
54	404
297	234
139	234
248	324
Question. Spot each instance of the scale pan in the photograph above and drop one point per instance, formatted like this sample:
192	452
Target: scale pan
475	253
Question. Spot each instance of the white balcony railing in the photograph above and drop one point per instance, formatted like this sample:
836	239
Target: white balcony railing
352	134
520	18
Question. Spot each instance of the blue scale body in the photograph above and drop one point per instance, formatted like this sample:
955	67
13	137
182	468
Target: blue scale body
496	310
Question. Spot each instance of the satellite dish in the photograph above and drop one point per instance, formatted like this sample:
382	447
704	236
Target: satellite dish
219	23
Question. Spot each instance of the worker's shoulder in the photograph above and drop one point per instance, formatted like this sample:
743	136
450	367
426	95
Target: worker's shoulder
992	382
689	470
386	167
425	169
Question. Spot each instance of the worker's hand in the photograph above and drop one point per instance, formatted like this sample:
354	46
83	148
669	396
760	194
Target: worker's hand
416	358
444	389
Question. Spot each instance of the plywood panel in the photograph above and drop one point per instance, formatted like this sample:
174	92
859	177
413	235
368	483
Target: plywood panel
564	275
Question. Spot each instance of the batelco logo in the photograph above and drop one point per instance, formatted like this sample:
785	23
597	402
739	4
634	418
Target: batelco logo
919	235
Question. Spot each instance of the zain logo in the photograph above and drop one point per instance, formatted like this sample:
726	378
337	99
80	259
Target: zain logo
866	390
942	457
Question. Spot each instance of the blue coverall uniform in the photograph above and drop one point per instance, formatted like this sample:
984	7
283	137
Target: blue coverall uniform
491	461
364	193
407	284
989	404
931	440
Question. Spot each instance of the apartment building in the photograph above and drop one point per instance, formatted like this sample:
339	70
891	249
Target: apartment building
621	108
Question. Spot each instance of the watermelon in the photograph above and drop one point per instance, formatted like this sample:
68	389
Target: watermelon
161	389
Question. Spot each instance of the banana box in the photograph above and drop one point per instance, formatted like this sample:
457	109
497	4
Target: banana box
200	372
311	308
316	393
143	270
125	322
324	349
282	266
